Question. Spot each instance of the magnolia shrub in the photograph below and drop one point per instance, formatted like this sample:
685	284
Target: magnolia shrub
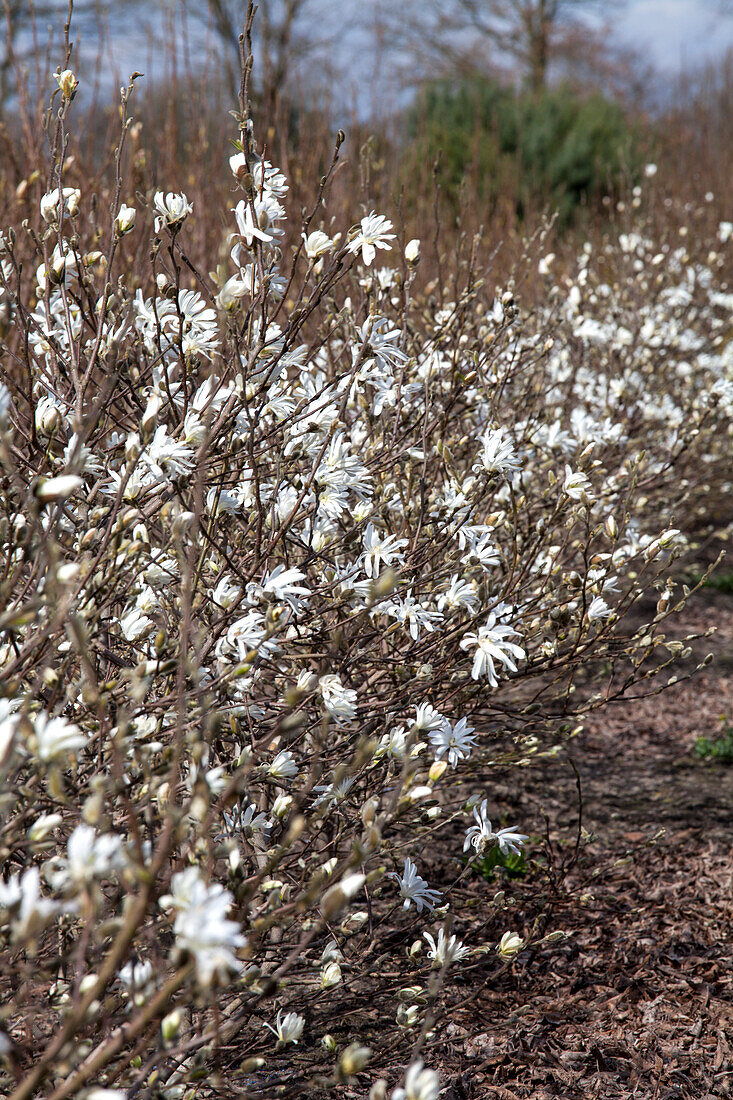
292	552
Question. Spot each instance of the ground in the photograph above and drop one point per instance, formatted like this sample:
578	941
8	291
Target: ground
637	1000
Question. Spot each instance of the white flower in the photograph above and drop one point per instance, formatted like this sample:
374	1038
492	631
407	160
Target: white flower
282	584
427	717
28	910
69	198
497	454
137	978
510	945
238	164
725	232
414	888
412	251
288	1028
283	766
135	625
420	1084
317	244
57	488
90	856
125	220
43	826
249	229
374	233
330	975
482	835
650	170
461	593
201	928
412	614
231	294
492	644
339	701
577	486
173	209
380	549
456	741
5	403
56	737
67	82
448	949
598	609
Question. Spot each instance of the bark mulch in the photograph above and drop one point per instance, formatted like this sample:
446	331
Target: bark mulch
637	1000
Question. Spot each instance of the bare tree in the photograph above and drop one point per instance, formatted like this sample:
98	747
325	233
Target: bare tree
457	35
287	36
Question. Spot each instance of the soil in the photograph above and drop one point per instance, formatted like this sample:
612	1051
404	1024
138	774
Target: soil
637	999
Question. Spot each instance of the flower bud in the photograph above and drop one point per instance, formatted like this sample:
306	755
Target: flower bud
353	1059
170	1025
369	811
67	82
510	945
407	1015
125	220
330	975
668	538
337	896
611	527
150	415
437	769
328	1042
281	806
50	489
42	827
47	416
412	251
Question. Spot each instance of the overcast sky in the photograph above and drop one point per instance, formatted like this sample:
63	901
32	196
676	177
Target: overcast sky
677	33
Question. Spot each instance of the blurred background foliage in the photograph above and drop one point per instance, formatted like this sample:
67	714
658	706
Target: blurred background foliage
559	147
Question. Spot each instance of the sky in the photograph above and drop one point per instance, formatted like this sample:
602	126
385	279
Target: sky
673	35
677	33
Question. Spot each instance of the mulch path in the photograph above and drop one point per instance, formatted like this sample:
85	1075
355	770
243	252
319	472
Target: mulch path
637	1000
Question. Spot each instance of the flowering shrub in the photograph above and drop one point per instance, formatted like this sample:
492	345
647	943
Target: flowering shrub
292	553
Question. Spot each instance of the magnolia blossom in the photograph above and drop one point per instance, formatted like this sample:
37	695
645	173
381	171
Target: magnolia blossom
454	741
317	244
55	737
446	950
374	233
497	454
510	945
492	644
283	766
90	856
482	835
23	905
51	203
598	609
288	1028
414	888
577	485
420	1084
282	584
125	220
339	701
201	928
380	549
173	209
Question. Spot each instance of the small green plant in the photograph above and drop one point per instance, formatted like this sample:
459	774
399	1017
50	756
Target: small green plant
718	748
514	865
